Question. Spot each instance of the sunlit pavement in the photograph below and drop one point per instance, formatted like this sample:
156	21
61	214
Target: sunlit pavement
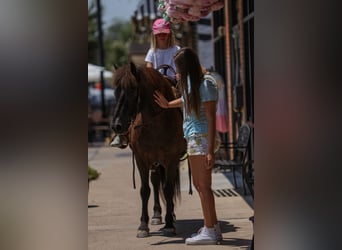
114	207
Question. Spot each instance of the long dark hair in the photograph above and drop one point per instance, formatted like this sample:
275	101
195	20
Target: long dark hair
188	65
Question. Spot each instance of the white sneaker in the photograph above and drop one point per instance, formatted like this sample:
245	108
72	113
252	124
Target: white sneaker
206	236
217	232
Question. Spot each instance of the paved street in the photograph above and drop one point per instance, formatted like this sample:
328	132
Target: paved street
114	208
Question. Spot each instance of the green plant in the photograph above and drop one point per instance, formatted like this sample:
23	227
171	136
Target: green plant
93	174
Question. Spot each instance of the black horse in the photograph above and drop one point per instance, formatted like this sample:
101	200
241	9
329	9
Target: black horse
155	138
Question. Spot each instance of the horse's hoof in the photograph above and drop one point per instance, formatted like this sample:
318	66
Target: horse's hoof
156	221
169	231
142	233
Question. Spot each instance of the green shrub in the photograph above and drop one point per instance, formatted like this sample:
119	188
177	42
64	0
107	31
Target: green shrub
92	174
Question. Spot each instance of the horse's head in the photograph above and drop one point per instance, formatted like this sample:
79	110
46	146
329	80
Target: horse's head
125	83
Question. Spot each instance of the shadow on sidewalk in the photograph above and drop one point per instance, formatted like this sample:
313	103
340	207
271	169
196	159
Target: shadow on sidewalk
185	228
247	197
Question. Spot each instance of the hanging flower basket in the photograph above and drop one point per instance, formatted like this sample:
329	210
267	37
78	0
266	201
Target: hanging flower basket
177	11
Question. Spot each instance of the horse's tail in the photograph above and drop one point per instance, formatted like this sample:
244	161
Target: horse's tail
177	189
173	176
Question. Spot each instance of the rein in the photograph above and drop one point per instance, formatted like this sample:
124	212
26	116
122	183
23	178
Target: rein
133	161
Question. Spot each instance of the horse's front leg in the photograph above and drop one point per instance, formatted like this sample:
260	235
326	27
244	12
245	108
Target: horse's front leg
157	211
171	189
143	230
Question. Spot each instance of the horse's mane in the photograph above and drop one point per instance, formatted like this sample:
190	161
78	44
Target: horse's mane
147	79
153	80
124	78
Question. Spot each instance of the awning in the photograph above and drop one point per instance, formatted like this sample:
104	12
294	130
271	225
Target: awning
94	73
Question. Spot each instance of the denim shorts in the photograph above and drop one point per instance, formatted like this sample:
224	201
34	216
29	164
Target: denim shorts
198	144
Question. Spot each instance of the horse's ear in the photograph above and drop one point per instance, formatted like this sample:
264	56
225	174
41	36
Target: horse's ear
114	67
133	69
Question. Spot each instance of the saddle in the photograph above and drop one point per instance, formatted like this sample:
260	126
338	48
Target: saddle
172	80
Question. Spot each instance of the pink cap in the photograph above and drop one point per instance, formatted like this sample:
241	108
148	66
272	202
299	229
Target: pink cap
160	26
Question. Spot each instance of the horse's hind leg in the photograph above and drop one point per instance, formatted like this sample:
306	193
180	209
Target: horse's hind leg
143	230
157	211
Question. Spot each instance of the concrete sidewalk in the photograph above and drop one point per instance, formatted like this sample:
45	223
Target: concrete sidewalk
114	208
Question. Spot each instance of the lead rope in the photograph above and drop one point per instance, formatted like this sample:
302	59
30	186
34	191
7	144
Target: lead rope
189	171
133	161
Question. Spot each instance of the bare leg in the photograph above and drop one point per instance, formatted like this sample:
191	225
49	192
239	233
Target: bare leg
202	182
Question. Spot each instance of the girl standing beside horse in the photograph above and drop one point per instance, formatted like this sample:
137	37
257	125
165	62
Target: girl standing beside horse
199	98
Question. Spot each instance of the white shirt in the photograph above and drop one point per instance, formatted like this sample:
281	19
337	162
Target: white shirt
162	56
